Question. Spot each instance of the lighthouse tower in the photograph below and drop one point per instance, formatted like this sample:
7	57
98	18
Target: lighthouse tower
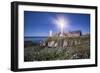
50	33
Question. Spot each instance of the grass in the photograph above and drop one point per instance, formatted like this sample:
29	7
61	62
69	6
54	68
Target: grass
43	53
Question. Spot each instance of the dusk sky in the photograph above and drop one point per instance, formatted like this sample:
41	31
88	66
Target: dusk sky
40	23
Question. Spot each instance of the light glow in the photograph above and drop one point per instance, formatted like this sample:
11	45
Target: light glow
62	23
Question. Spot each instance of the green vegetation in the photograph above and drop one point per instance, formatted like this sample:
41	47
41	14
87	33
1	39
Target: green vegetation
35	52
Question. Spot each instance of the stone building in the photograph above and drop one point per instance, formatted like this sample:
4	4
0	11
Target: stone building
64	42
69	34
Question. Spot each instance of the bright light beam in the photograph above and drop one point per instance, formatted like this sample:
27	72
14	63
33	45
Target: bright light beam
62	23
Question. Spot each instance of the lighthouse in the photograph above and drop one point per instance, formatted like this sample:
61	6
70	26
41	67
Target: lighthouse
62	23
50	33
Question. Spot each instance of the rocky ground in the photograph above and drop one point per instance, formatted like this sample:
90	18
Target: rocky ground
36	52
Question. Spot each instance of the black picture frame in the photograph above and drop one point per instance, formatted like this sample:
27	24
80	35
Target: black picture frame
14	35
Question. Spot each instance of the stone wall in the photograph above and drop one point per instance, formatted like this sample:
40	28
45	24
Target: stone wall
66	42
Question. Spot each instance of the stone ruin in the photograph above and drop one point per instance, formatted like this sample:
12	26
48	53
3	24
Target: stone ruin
68	39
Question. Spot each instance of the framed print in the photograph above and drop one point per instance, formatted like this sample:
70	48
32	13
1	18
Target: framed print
52	36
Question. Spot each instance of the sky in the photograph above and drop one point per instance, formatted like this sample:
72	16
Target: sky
40	23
